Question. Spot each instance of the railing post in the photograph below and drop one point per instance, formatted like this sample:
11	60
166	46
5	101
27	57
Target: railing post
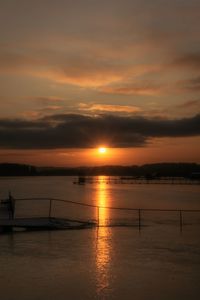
12	205
139	218
50	204
98	216
181	220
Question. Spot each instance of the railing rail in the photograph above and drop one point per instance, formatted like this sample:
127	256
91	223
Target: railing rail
138	210
108	207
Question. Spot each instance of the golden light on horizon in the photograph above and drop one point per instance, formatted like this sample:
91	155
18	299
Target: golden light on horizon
102	150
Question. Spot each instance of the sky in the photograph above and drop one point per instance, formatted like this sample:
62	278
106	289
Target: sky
77	75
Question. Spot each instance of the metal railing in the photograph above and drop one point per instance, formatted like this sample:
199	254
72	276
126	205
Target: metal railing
139	211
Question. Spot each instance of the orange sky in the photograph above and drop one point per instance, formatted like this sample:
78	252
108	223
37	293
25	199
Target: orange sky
75	74
173	149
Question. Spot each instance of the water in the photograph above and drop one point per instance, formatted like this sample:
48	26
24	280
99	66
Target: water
158	262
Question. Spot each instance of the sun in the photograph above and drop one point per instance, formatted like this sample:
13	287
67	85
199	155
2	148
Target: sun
102	150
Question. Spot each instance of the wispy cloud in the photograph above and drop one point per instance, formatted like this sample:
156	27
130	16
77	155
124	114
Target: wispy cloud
140	51
190	104
189	60
51	100
137	88
191	84
88	71
41	112
108	108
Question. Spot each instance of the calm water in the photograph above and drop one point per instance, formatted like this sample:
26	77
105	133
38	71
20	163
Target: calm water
159	262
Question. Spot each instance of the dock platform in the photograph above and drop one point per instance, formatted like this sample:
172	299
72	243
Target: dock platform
21	224
9	222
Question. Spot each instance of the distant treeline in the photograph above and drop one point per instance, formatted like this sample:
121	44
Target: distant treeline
7	169
189	170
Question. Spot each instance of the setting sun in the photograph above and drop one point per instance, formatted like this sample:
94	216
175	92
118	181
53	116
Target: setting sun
102	150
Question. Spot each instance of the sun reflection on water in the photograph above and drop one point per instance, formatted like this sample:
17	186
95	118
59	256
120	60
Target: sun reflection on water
103	246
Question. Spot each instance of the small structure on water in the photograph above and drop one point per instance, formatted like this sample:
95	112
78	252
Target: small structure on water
9	222
7	208
81	180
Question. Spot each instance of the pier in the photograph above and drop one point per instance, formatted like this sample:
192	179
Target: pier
136	180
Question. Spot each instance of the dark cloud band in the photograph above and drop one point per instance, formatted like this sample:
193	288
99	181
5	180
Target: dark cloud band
80	131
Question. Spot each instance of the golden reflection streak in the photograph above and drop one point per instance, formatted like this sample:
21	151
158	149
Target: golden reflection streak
103	237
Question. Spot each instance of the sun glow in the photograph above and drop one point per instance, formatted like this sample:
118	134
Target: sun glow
102	150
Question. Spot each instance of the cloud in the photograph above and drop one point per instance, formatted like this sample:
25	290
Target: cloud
137	88
128	74
48	100
70	44
15	62
41	112
80	131
189	104
63	67
189	60
191	85
108	108
87	70
45	105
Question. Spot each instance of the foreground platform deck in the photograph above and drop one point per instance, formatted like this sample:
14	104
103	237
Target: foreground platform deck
19	224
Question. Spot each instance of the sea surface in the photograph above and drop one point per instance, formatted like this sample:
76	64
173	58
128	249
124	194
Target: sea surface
118	260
